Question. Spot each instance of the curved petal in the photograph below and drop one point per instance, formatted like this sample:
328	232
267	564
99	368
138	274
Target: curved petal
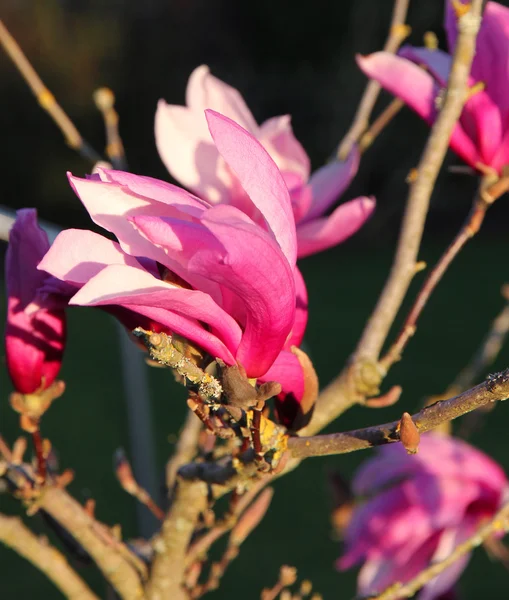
27	245
241	257
78	255
437	62
287	371
485	123
403	79
301	312
260	178
111	206
206	91
157	190
122	284
330	181
417	89
286	151
326	232
186	149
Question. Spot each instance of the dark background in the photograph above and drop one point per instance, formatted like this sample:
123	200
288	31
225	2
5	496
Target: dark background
284	58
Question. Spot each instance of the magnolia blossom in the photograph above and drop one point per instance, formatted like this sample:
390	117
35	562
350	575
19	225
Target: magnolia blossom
35	328
418	76
418	509
208	273
186	148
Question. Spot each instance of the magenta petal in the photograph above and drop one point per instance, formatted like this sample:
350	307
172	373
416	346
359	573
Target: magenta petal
78	255
330	181
486	120
287	371
260	178
403	79
177	308
27	245
35	338
301	312
326	232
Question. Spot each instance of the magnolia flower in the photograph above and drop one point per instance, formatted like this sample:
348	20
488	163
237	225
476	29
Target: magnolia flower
418	508
418	76
35	329
207	273
186	148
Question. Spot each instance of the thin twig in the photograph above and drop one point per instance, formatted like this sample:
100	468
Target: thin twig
170	545
39	453
45	97
495	388
499	523
397	33
46	558
380	123
186	447
105	102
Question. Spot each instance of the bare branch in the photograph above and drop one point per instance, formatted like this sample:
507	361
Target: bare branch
397	33
46	558
45	97
105	101
499	523
170	545
495	388
113	559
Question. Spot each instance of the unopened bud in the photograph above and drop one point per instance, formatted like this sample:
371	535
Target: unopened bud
409	434
124	473
104	99
287	575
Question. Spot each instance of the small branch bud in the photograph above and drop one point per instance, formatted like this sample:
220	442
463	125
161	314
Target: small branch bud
409	434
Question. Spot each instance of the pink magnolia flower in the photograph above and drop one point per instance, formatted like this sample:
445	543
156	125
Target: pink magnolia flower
481	137
207	273
186	149
35	329
418	509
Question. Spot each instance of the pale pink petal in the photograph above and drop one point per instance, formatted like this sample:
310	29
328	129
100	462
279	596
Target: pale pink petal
161	191
320	234
329	182
260	178
206	91
186	149
301	195
286	151
121	284
77	255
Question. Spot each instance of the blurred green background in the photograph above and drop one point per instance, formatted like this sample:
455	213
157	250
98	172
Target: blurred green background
285	59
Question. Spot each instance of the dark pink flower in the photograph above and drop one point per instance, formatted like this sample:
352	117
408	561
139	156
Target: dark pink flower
35	329
187	150
209	273
481	137
417	509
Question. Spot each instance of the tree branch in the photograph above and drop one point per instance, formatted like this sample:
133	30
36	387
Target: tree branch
495	388
171	544
46	558
397	33
116	565
398	591
185	449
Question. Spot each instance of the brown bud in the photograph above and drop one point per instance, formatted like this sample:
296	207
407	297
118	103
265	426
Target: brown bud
409	434
124	473
306	587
